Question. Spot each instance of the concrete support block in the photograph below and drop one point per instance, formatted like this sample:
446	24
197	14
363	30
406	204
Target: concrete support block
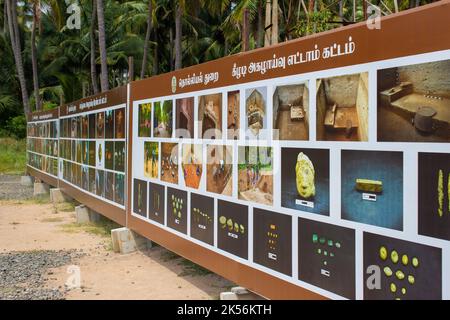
27	181
57	196
228	296
239	293
126	241
40	188
85	215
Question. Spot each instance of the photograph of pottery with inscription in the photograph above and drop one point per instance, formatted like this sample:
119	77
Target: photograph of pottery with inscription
232	228
219	169
342	107
255	174
372	187
291	112
409	271
233	115
192	164
184	118
145	120
210	116
256	112
414	103
434	195
169	162
202	218
151	159
326	256
177	209
162	119
305	179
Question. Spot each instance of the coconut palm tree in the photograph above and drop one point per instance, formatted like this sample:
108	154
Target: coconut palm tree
102	46
147	38
36	17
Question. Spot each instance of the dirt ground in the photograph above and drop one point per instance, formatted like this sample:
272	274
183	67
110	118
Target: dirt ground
156	273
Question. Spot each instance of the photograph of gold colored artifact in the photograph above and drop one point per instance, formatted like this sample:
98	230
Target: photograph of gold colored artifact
202	218
232	234
177	210
409	271
156	202
210	116
342	105
291	112
140	197
305	175
413	103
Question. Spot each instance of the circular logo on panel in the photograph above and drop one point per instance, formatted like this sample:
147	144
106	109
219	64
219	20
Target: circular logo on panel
174	84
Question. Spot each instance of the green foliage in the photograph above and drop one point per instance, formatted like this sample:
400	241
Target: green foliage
12	156
15	127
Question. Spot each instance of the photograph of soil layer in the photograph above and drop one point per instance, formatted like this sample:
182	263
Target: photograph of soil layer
109	124
177	210
233	115
184	118
192	164
145	120
210	116
119	123
342	105
156	201
414	103
434	195
169	162
84	127
119	188
409	271
305	179
372	188
100	183
119	156
219	169
202	218
255	174
100	129
109	186
109	155
256	112
151	159
326	256
232	230
92	126
272	240
291	112
140	197
162	119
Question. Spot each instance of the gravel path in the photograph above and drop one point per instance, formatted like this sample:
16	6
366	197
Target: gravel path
11	189
23	274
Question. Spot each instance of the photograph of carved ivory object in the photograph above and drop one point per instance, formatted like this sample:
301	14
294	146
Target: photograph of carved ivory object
366	185
304	171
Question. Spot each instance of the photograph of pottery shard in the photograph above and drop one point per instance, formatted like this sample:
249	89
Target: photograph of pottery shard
409	271
372	187
219	169
232	228
305	180
169	162
272	240
202	218
233	115
414	103
184	118
291	112
140	197
434	195
177	209
210	116
342	106
326	256
156	201
256	112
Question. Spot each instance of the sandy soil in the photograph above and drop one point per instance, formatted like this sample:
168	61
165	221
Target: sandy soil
151	274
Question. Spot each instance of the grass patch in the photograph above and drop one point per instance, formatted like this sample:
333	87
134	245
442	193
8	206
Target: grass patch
192	269
169	256
55	219
12	156
101	228
40	199
65	207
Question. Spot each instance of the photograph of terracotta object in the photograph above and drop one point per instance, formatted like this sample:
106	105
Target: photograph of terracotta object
192	164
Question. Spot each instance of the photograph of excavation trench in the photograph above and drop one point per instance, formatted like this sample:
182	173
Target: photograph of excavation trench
219	169
184	117
169	162
291	112
192	164
233	114
210	116
343	108
414	103
256	174
255	106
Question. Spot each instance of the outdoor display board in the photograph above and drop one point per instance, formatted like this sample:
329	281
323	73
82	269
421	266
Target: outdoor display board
43	144
317	168
93	152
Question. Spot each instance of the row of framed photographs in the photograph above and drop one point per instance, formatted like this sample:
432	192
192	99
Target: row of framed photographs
412	106
47	147
324	253
372	182
101	183
43	163
44	129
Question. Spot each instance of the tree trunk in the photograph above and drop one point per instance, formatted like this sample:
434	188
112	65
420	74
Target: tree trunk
92	35
155	70
130	68
17	51
274	21
245	31
147	39
395	6
178	32
354	10
102	46
5	16
34	59
260	29
268	33
172	47
364	9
